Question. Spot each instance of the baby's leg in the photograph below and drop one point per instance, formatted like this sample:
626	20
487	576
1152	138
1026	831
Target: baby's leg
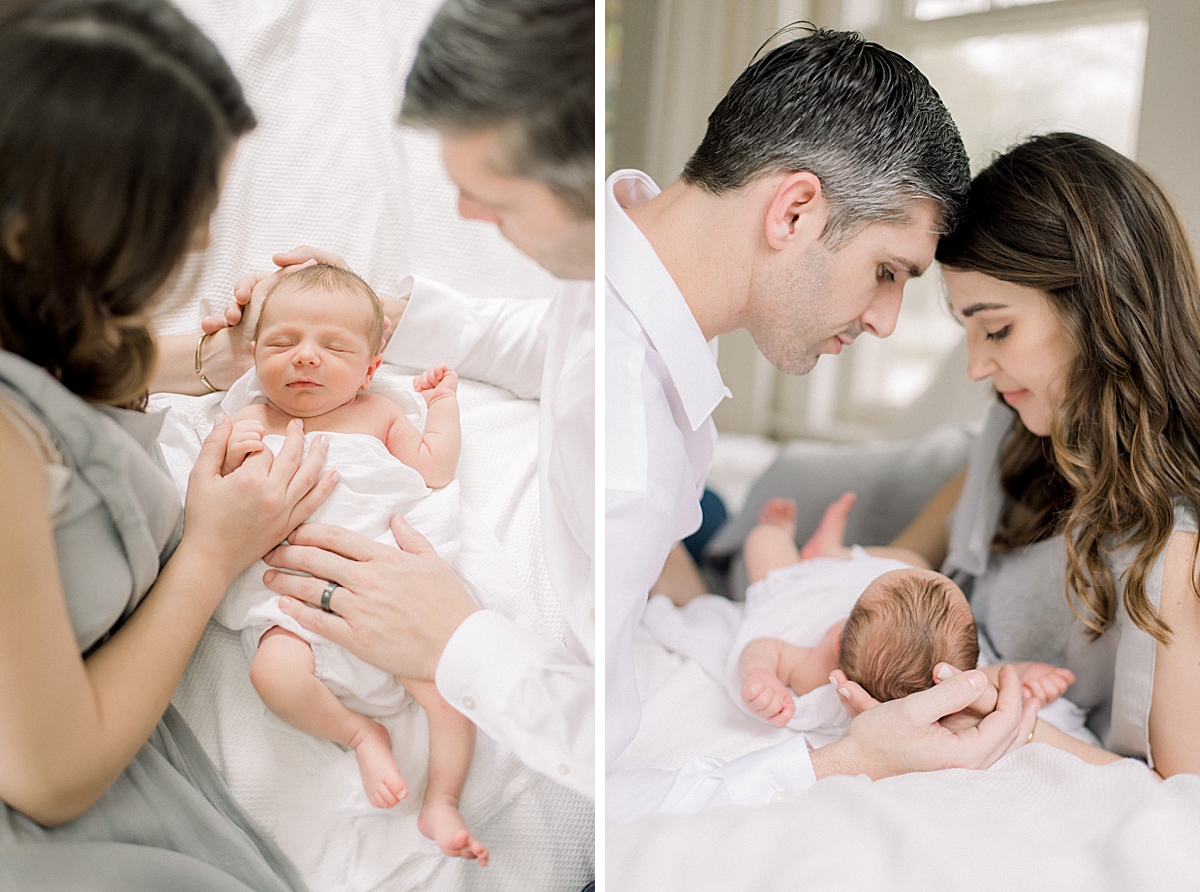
451	746
770	545
282	673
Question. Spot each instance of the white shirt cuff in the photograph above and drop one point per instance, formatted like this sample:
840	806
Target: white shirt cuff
430	327
484	660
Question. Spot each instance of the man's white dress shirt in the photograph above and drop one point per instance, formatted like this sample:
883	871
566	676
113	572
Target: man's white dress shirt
527	692
662	385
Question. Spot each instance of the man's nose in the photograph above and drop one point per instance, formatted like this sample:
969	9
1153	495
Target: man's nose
880	317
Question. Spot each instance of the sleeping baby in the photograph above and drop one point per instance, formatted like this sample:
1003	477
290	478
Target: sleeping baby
316	350
902	621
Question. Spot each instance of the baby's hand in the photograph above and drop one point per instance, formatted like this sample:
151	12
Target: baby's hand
1044	681
768	697
244	441
437	383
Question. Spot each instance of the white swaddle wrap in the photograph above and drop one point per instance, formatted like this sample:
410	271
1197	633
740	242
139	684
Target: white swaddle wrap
374	485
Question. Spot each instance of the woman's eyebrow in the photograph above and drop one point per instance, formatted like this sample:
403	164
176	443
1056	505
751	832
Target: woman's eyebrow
968	312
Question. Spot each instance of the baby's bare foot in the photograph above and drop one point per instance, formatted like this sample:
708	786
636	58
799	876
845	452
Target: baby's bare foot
830	534
441	821
380	774
768	697
779	513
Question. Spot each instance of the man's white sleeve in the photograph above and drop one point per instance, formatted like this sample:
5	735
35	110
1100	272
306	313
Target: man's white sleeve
767	775
494	340
525	692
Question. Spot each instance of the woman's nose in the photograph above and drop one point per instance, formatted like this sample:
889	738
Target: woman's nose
980	364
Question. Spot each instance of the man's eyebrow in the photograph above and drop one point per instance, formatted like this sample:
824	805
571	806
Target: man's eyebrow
970	311
907	265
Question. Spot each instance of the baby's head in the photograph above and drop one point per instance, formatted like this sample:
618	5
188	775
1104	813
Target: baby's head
905	623
317	341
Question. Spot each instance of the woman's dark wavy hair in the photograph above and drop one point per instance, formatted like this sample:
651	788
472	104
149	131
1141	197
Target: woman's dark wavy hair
1080	222
115	116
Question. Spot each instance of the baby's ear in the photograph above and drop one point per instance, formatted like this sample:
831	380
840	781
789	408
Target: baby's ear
372	368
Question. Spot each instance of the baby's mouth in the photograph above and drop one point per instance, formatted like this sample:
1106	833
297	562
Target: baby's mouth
303	384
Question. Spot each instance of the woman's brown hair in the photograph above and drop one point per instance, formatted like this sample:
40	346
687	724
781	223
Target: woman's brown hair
1090	229
115	117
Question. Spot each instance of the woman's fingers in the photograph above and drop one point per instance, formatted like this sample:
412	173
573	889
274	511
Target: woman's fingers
302	253
337	541
315	497
409	539
854	696
212	451
950	696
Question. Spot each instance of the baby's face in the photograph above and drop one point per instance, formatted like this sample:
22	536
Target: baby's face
313	351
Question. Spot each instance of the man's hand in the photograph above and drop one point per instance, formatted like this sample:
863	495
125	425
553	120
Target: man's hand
394	607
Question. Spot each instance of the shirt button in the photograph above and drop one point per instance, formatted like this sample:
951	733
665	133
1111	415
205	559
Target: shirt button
778	795
468	702
563	769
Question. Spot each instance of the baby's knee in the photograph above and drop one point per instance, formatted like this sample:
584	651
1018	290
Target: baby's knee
281	654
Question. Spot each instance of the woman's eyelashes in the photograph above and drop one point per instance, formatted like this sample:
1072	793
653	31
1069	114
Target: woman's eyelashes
999	334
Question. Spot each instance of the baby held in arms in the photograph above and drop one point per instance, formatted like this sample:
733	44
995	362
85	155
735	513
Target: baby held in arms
316	349
904	620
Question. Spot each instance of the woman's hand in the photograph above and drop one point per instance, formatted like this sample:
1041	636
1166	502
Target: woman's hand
394	607
234	520
909	734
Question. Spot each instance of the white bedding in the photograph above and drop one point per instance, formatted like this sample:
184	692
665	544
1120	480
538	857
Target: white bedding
1037	820
327	166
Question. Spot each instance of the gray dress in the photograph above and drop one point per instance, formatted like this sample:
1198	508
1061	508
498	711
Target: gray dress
168	821
1020	604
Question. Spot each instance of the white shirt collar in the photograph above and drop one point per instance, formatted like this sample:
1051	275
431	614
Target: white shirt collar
635	272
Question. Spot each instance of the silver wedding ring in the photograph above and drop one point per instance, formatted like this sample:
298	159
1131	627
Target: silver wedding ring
326	595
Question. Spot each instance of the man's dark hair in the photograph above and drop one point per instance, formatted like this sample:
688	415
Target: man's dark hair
526	66
860	117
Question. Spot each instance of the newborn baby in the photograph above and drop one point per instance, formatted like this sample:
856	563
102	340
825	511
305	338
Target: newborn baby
316	350
903	621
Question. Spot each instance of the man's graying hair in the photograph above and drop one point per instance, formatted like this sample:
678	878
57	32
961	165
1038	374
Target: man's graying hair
860	117
525	66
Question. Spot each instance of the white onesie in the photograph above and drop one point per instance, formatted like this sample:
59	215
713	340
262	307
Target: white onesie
374	485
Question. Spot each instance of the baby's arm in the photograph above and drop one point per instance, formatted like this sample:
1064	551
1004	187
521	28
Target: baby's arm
1040	680
770	666
435	454
244	441
763	689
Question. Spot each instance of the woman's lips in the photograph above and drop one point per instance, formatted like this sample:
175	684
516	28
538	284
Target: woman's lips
1013	396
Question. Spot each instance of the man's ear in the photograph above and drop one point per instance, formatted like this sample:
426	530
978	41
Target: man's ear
372	368
798	210
12	236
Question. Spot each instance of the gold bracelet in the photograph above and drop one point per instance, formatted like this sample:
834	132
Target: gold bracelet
1029	739
203	380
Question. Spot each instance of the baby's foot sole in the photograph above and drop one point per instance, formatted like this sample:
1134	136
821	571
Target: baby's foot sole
441	821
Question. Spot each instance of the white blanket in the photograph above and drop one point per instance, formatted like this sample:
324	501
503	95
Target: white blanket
1037	820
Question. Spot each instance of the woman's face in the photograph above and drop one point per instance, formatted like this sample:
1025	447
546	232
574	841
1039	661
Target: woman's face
1015	338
